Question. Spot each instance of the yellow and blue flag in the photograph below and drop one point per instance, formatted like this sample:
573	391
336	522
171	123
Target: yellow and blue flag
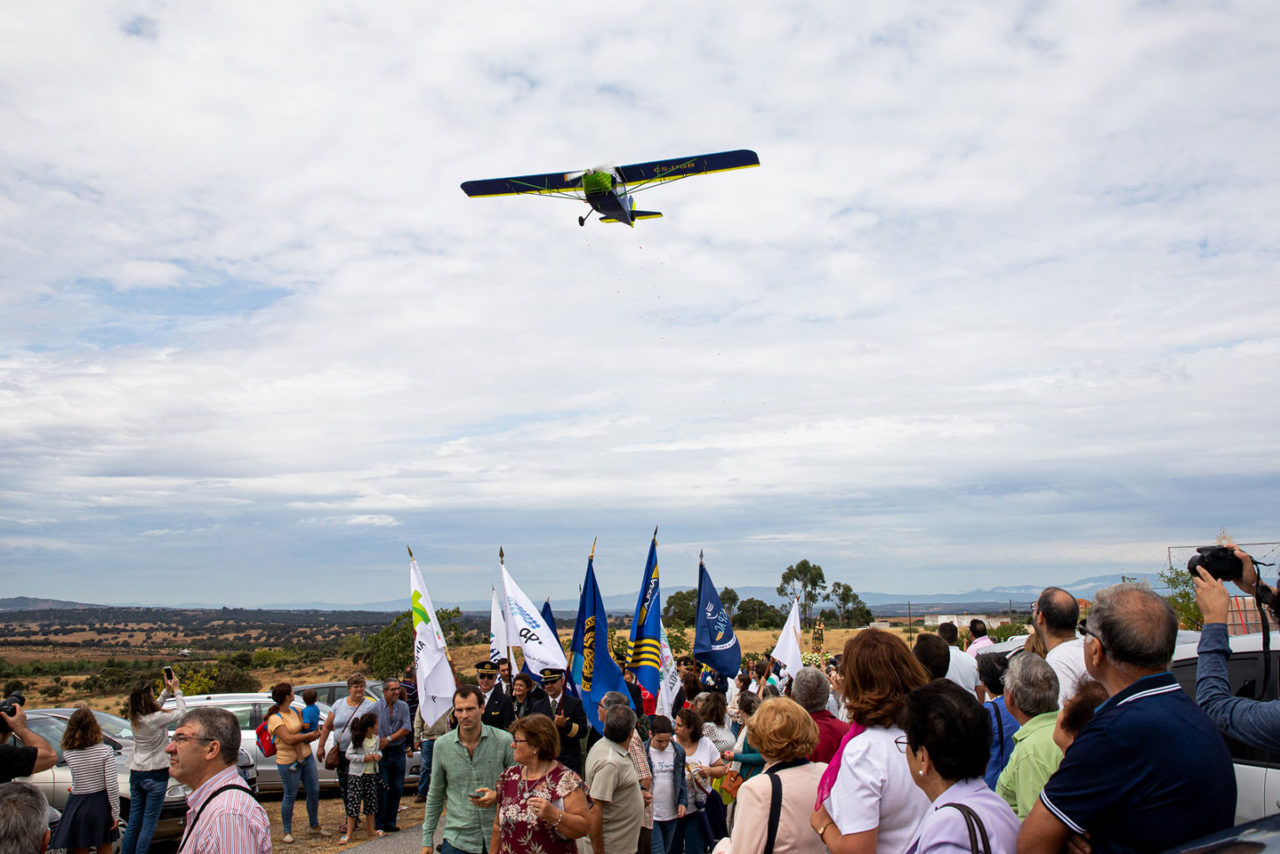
594	669
644	651
714	643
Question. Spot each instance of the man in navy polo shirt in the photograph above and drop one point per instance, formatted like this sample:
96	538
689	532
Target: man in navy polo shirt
1150	770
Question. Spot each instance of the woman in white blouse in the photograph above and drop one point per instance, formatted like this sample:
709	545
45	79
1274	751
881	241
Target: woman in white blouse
149	766
867	802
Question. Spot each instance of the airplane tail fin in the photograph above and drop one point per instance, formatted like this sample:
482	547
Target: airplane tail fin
635	215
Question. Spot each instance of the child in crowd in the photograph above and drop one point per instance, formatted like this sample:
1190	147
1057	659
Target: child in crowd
362	779
310	711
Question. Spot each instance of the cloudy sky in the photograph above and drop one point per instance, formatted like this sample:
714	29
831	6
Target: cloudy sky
998	307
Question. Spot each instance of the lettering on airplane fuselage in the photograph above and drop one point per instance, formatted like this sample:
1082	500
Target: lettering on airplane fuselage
659	171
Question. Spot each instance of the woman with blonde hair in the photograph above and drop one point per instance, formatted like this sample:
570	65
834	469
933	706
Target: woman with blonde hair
867	803
91	818
785	735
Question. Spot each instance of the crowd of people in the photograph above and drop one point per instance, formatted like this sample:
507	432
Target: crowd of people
1082	740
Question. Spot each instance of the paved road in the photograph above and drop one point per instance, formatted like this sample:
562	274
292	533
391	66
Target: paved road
407	841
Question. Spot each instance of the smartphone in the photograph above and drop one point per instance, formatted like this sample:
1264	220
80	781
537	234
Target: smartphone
476	795
168	673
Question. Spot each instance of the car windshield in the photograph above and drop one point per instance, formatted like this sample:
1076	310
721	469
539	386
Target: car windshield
114	725
50	729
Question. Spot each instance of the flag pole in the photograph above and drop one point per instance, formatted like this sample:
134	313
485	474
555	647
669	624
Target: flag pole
506	615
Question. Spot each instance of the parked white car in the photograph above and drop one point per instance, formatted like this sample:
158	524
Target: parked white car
249	710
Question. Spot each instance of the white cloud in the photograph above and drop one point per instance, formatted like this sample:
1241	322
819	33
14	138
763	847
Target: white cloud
1004	272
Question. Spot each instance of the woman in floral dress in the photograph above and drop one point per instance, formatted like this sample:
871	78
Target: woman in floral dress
542	805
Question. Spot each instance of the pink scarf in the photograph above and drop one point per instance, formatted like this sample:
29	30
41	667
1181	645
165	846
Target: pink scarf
828	781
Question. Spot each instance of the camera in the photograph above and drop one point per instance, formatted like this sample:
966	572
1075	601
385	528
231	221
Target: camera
9	706
1219	561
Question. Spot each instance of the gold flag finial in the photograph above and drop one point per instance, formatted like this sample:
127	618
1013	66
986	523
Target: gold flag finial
699	555
655	532
592	556
501	558
410	553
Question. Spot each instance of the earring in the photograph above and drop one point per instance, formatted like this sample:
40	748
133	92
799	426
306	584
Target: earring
921	772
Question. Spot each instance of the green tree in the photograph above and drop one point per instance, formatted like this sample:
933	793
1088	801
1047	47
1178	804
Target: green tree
680	608
807	582
678	640
389	651
762	615
729	599
451	624
853	611
1182	596
53	692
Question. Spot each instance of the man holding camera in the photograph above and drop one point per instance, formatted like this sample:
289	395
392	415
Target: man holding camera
1255	722
34	756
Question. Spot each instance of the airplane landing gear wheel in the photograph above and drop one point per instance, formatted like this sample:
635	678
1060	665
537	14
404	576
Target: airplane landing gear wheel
582	220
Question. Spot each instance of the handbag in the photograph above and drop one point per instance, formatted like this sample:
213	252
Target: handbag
974	824
730	782
333	756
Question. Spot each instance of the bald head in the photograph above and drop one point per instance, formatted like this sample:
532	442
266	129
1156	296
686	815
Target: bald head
1059	611
1137	628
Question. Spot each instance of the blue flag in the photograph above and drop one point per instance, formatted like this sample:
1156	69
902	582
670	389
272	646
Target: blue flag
593	668
644	652
714	643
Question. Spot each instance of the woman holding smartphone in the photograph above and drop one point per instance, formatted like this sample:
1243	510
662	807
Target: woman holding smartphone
149	766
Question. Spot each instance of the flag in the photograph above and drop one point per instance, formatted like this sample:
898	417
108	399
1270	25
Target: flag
714	643
594	669
787	652
644	654
435	677
549	618
670	684
526	629
497	630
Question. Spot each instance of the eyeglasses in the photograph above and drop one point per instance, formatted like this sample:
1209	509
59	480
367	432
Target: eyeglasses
1084	630
519	741
183	739
486	676
901	741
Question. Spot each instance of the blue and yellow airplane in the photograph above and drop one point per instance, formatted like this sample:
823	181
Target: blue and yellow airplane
610	190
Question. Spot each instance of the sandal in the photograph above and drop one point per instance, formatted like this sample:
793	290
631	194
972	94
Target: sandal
343	839
379	833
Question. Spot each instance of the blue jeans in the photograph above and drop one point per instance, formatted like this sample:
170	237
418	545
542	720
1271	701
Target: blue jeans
664	836
146	799
303	772
446	848
391	772
424	775
695	838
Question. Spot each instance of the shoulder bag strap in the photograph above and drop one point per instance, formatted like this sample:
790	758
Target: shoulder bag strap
999	725
976	829
200	812
775	799
775	812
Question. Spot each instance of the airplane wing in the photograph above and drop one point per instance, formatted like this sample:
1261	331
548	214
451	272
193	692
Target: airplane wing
550	183
638	175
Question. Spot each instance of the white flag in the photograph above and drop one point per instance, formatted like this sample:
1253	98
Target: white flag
787	652
497	631
669	678
527	630
435	678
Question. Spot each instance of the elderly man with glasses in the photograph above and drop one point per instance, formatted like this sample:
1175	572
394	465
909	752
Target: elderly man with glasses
223	817
1150	771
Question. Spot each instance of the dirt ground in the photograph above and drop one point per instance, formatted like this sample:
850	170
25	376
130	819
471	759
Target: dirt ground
332	816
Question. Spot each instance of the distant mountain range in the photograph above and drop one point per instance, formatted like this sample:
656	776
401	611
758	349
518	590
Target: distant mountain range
986	600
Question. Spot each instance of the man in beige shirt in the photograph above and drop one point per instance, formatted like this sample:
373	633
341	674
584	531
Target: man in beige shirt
617	807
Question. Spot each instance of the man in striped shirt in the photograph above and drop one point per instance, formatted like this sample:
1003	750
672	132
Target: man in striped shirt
222	815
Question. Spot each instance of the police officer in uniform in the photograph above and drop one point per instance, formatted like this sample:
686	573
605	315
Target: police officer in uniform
498	709
569	717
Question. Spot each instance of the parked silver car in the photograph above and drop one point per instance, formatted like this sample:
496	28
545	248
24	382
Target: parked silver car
249	710
55	783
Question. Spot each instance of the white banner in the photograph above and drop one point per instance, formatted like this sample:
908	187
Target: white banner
788	649
527	630
435	677
497	631
669	683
